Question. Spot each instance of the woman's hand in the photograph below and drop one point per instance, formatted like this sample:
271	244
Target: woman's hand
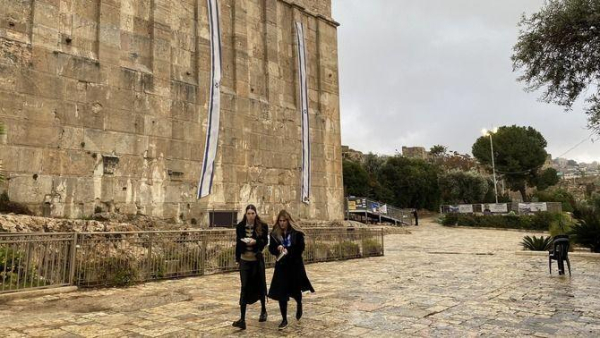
280	248
251	242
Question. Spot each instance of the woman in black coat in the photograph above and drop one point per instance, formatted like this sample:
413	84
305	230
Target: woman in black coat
289	278
251	238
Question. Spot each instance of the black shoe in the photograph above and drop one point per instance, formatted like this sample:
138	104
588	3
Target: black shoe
263	316
299	311
283	324
240	323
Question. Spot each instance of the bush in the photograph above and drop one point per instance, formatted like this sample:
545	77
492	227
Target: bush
561	226
13	268
371	247
109	271
318	252
347	249
11	207
565	198
587	231
226	258
536	244
450	219
539	221
542	220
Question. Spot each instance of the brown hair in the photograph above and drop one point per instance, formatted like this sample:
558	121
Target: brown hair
277	231
258	223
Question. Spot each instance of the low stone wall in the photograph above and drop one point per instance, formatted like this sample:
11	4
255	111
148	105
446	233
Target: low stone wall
113	222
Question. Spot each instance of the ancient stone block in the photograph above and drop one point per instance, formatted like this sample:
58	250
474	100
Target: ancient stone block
86	83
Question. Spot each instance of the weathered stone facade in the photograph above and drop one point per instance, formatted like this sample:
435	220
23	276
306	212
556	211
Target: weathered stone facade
105	106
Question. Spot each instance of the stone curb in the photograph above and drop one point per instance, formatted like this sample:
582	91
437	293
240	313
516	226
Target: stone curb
502	229
36	293
545	254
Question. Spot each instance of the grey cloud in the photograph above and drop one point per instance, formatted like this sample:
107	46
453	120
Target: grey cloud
425	72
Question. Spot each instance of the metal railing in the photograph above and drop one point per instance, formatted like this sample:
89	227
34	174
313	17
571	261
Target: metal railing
122	258
362	205
32	261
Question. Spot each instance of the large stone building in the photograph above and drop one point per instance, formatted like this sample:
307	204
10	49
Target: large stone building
105	107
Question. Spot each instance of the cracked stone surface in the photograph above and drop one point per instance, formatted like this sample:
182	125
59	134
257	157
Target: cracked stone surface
435	282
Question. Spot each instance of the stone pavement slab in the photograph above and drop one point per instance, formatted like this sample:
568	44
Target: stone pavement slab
435	282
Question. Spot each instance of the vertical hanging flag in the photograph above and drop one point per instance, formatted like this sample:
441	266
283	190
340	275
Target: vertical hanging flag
214	103
302	78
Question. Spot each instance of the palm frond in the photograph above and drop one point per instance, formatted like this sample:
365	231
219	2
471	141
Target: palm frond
534	243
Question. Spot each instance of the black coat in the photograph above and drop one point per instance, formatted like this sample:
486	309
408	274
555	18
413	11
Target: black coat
252	274
261	242
289	277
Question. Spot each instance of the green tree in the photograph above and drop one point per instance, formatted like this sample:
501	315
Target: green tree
413	183
559	195
372	163
519	153
463	187
438	150
558	49
356	179
545	179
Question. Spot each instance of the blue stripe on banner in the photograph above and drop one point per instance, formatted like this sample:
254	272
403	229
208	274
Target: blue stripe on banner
212	131
303	88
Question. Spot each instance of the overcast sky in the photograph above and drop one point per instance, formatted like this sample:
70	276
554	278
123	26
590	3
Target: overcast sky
426	72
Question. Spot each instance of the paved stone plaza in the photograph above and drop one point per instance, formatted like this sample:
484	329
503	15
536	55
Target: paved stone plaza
435	282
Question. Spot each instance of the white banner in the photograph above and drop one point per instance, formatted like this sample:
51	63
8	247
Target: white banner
303	83
532	207
214	104
538	206
383	209
465	208
497	207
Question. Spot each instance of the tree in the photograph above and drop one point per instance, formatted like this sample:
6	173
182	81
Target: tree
571	163
438	150
356	179
463	187
372	163
558	48
413	183
545	179
519	153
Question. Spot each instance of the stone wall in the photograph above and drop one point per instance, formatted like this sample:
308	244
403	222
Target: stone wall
105	106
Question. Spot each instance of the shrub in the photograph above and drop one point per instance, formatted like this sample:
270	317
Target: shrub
536	244
587	231
13	269
371	247
120	271
347	249
226	258
1	133
565	198
539	221
318	251
450	219
542	220
109	271
11	207
561	226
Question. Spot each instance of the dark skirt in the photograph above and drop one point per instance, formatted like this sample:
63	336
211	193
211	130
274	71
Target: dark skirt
289	281
252	276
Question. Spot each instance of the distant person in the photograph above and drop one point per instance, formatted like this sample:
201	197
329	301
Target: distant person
289	277
416	216
251	238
